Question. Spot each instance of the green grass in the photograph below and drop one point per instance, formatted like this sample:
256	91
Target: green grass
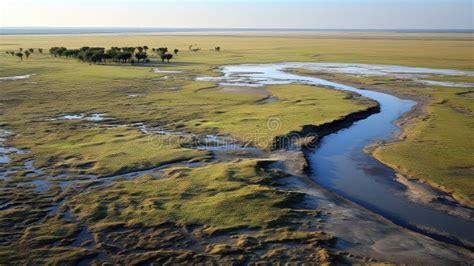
439	150
469	79
297	105
429	50
66	86
49	232
109	151
217	197
176	213
220	196
37	245
45	256
69	87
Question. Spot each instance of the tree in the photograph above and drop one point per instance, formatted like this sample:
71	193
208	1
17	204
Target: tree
20	55
21	49
128	49
166	56
52	51
162	50
61	51
57	51
97	57
112	54
217	49
140	49
141	56
127	57
40	50
31	50
124	57
107	56
176	51
27	54
145	48
138	56
72	53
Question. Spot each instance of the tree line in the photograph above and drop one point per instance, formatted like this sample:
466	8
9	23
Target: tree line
25	53
164	54
119	55
97	55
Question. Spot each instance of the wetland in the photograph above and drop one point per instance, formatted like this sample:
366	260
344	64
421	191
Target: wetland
274	148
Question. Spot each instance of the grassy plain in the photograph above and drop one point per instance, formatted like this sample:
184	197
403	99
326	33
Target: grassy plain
438	147
220	196
429	50
213	198
182	213
63	86
190	206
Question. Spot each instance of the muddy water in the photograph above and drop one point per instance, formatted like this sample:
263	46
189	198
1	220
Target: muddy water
339	163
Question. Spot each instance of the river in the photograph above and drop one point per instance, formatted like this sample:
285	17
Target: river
339	163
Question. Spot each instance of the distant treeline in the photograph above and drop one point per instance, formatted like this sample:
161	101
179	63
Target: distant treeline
97	55
120	55
22	53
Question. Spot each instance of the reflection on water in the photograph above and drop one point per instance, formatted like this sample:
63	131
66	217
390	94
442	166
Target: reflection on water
447	83
16	77
339	162
239	76
95	117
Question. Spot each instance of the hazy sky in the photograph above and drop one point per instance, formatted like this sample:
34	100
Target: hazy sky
322	14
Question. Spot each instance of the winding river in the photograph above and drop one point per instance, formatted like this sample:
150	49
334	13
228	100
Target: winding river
339	163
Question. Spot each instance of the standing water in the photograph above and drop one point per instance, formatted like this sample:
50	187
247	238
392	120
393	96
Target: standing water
339	163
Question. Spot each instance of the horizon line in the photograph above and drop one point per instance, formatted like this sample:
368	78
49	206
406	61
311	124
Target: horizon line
188	27
64	30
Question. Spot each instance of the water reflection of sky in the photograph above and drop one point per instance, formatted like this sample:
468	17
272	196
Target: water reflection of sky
339	162
254	75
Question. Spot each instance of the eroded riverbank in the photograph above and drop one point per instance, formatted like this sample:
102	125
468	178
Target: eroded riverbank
340	165
428	192
371	244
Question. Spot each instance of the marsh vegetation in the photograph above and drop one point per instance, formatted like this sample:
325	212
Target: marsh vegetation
134	187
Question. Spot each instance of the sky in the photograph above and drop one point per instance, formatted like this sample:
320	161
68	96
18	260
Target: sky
302	14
